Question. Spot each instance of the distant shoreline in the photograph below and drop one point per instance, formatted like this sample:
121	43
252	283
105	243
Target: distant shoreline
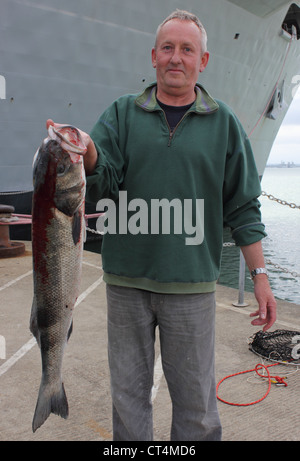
283	165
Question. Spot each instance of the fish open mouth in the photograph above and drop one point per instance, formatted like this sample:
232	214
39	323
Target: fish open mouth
70	140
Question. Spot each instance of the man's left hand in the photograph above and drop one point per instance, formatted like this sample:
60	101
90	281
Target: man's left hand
267	304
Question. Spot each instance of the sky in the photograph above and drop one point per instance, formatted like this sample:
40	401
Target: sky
286	147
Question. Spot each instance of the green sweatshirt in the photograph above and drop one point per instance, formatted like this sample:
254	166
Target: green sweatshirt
206	166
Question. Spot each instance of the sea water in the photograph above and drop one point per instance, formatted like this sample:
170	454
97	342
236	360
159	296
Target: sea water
282	245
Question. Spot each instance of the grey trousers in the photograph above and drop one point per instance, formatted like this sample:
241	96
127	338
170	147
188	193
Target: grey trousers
186	326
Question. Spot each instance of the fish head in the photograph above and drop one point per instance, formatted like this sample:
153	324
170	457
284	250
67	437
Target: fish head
69	138
70	182
58	171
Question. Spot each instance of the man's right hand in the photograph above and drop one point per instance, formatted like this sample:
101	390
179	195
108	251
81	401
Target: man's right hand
91	155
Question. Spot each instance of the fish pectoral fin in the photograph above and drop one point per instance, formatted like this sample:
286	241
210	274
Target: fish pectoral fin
70	331
33	321
77	227
50	402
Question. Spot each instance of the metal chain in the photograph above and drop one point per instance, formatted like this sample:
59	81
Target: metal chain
283	269
291	205
93	231
276	266
281	202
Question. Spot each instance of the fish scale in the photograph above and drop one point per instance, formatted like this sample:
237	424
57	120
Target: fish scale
57	246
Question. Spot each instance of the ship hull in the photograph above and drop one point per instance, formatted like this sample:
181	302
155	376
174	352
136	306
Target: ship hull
69	60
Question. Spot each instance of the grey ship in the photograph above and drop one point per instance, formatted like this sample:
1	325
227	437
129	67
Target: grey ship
68	60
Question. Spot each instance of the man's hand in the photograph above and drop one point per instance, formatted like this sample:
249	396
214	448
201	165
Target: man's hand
91	155
267	304
266	312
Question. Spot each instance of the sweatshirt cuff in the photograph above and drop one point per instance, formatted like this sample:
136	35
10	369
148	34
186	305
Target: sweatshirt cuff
249	233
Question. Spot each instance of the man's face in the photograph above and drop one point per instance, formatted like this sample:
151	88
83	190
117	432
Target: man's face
178	58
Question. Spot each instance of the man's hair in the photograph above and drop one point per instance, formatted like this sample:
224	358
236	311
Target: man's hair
186	16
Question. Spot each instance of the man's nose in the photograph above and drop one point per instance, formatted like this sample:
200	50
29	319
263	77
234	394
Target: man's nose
176	57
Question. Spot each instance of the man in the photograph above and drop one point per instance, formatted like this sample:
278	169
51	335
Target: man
173	144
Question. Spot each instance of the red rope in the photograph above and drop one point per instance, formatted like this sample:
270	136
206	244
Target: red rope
258	367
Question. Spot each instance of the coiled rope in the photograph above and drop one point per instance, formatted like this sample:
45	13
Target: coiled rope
259	366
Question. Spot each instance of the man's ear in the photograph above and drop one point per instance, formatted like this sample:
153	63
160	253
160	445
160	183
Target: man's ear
204	61
153	56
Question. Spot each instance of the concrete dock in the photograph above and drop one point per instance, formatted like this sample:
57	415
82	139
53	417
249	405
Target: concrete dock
86	374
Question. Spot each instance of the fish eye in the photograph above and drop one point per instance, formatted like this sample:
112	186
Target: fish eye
61	169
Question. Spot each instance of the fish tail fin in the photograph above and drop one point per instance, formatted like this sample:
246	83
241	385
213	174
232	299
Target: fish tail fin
47	403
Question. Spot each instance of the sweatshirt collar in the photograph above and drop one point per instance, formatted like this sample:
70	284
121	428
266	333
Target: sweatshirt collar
204	103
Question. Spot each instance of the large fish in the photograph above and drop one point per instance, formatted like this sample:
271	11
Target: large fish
58	232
